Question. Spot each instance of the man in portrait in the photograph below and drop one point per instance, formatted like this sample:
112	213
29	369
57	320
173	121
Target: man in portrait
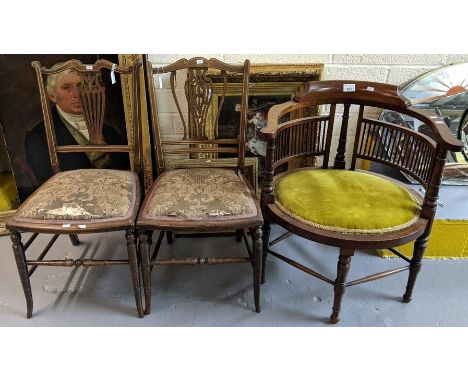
70	129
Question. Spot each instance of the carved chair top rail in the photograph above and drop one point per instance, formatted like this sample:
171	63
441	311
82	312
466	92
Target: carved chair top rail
366	94
198	62
361	91
86	68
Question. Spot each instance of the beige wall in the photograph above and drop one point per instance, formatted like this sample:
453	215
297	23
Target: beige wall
389	68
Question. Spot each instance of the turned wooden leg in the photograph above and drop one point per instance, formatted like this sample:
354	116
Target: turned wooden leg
150	238
144	238
169	238
239	235
74	240
415	266
20	258
257	265
340	282
133	262
266	240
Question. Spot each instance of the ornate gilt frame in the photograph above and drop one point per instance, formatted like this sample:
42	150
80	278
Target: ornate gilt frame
265	79
129	60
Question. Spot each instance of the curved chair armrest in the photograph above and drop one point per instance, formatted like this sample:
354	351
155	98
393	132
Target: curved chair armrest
274	114
440	128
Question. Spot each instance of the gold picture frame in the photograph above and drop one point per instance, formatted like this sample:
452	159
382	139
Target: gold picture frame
265	80
147	167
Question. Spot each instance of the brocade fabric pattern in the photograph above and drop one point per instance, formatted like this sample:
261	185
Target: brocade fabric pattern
82	195
200	194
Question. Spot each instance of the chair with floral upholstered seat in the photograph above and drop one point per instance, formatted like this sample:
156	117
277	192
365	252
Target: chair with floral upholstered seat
199	199
81	200
343	206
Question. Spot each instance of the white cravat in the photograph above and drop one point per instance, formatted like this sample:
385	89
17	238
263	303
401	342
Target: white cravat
77	121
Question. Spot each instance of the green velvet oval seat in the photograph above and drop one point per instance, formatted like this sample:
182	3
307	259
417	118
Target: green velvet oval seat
346	201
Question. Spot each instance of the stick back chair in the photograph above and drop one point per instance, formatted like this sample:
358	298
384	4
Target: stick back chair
198	200
343	206
82	200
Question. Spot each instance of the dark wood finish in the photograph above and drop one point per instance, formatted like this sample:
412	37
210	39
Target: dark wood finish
30	241
257	265
169	237
415	266
344	263
20	258
144	249
195	140
266	239
134	268
377	141
42	255
74	240
92	98
340	153
301	267
280	238
239	233
377	276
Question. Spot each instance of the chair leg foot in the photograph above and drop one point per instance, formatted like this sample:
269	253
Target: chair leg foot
133	262
334	319
415	266
20	258
340	282
74	240
257	265
144	238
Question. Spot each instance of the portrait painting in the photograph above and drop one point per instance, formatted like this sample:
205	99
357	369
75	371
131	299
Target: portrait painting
22	119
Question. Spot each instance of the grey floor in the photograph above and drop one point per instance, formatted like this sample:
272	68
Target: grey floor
222	295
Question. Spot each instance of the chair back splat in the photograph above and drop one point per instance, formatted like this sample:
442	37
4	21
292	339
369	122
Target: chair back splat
192	99
337	203
92	97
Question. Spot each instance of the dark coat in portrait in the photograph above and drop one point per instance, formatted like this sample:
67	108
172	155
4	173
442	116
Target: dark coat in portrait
37	151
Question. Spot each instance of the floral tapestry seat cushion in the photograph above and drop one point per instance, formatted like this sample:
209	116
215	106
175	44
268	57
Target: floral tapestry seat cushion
83	195
200	194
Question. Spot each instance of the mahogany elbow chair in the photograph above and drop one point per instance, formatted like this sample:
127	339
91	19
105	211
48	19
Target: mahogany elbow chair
343	206
87	200
201	199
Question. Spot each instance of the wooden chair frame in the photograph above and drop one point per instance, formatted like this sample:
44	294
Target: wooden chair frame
92	98
198	94
311	136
